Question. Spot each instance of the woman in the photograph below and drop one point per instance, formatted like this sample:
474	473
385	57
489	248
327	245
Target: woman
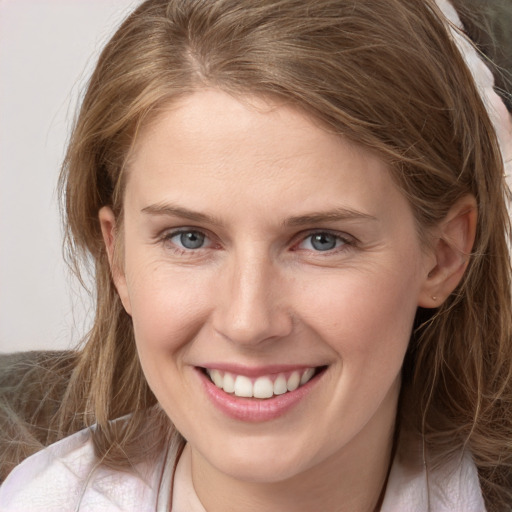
297	216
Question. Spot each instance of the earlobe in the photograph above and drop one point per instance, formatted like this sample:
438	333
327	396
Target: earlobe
109	231
452	245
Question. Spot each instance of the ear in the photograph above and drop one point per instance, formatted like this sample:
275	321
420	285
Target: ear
452	244
109	231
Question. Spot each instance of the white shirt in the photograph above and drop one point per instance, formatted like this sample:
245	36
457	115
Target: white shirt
66	477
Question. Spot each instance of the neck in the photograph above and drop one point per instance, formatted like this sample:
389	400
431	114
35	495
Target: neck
350	480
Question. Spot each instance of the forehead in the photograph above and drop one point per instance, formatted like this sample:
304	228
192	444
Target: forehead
221	120
211	147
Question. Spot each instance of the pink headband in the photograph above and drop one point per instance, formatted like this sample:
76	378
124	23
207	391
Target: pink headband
484	79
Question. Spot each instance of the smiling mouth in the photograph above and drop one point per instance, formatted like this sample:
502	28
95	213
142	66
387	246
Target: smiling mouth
265	386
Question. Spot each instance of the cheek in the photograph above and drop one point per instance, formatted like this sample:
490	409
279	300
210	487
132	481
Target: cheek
363	316
167	313
168	307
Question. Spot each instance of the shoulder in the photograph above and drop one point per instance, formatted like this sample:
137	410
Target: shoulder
51	477
32	385
67	476
452	486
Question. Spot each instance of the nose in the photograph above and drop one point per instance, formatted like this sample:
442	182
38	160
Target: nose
251	305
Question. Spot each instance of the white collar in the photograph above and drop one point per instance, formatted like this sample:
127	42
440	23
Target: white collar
412	485
454	487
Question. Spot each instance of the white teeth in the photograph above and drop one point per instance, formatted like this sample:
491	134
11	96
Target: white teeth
306	376
217	378
280	385
293	381
243	386
262	387
229	383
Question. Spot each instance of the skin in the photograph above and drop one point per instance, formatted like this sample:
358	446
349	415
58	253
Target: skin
257	178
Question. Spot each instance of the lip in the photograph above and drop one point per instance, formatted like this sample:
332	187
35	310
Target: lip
256	371
254	410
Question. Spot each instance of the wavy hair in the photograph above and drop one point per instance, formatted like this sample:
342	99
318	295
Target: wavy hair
382	73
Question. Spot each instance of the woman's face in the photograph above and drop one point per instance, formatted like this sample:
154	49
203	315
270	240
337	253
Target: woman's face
283	262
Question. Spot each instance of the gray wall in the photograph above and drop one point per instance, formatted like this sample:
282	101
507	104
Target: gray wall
47	49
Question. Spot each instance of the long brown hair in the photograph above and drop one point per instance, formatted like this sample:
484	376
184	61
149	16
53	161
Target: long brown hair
382	73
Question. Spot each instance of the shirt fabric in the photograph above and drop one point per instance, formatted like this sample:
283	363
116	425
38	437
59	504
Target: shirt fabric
66	477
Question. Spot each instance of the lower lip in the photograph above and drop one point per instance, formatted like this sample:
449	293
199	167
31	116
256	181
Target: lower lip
254	409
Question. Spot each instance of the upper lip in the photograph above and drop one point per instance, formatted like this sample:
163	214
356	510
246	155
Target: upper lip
258	371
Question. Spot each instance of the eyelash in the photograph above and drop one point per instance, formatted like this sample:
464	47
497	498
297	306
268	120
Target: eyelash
166	239
345	241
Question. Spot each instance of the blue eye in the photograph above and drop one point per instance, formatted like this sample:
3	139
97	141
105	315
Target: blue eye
322	241
188	239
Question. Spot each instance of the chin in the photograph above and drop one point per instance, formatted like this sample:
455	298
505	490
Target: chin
261	461
260	472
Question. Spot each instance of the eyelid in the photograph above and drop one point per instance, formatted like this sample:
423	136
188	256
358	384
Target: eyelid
176	230
167	235
347	239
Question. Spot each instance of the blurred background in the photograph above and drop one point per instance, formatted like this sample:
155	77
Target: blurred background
489	25
47	50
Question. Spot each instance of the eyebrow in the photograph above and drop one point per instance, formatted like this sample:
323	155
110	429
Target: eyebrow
178	211
328	216
337	214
